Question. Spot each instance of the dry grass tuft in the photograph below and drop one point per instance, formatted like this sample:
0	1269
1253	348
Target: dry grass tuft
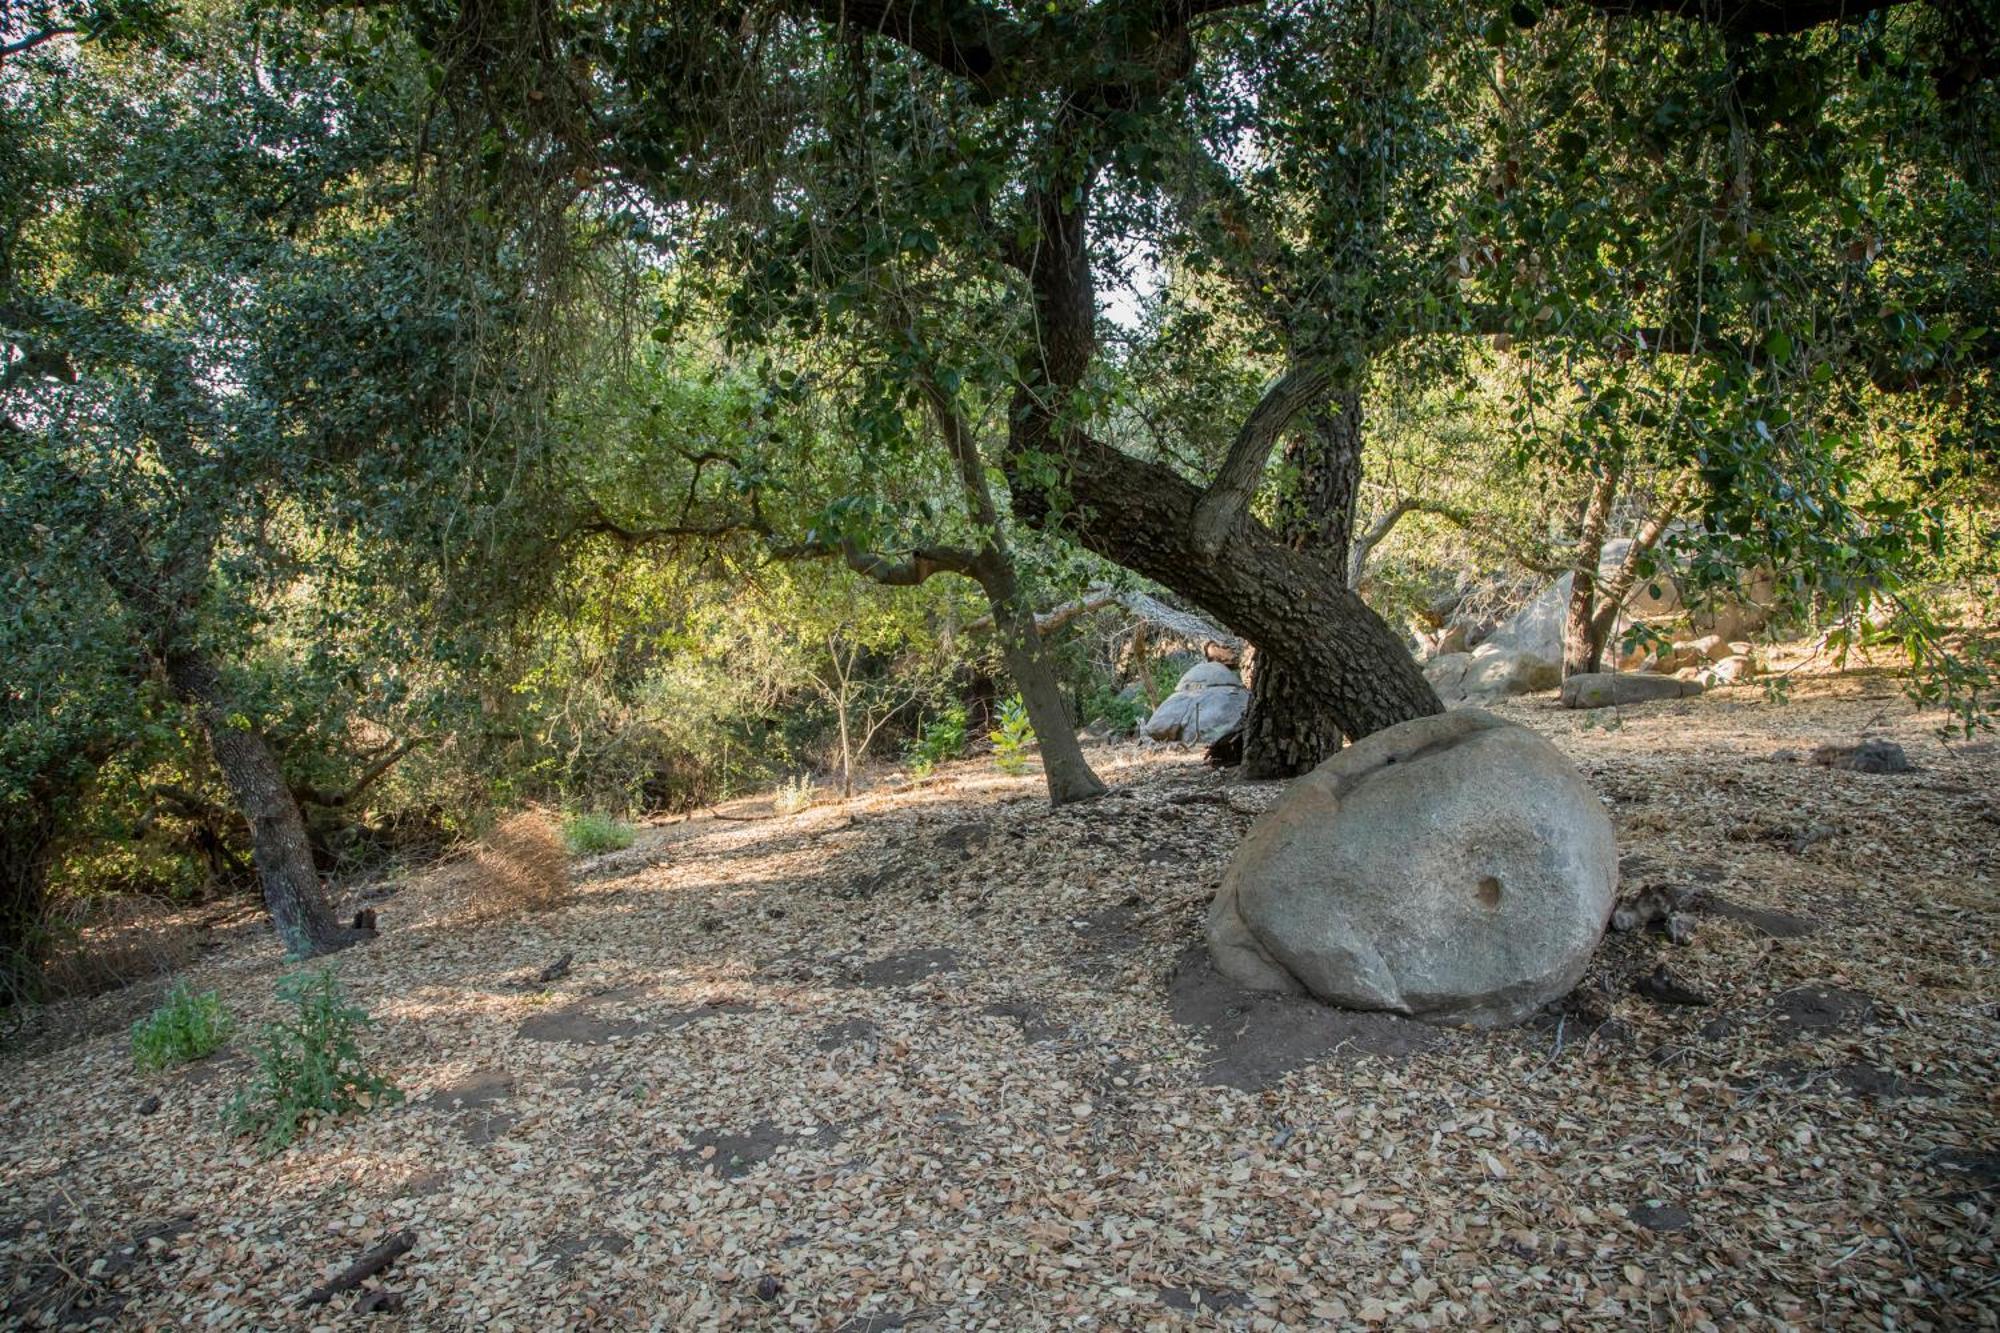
521	866
107	944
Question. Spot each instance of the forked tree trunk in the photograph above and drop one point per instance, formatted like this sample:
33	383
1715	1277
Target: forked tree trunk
1351	672
1286	732
249	767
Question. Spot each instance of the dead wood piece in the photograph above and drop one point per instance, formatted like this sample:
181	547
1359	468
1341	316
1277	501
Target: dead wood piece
358	1272
1663	987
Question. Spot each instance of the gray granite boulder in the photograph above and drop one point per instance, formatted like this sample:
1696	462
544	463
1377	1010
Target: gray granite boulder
1454	868
1609	689
1206	705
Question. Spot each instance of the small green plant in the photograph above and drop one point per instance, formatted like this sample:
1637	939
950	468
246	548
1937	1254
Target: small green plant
589	834
795	795
310	1066
1012	737
1108	706
187	1027
942	738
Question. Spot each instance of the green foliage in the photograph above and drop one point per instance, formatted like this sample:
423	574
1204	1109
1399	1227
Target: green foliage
937	741
308	1066
187	1027
591	833
1107	705
1012	737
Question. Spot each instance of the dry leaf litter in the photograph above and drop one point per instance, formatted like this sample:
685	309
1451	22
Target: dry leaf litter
941	1058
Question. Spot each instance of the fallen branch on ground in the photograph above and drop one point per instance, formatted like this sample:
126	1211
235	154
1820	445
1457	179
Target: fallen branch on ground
358	1272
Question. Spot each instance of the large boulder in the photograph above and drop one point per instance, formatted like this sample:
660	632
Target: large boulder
1617	689
1491	671
1207	703
1522	656
1455	868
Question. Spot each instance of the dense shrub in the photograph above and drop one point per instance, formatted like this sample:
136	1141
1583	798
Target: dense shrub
939	740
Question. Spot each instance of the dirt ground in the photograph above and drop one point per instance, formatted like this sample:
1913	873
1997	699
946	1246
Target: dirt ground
940	1058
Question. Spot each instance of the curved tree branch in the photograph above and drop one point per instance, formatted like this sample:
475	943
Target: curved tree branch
1235	483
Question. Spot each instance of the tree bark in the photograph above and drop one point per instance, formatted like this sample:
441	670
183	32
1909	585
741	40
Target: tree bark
250	768
1067	773
1285	732
1583	643
1065	770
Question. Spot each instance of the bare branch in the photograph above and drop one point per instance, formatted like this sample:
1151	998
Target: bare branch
369	777
1150	612
1364	545
33	40
922	564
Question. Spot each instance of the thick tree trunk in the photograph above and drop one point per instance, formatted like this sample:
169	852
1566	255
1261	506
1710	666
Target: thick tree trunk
1352	670
1064	768
1286	733
277	830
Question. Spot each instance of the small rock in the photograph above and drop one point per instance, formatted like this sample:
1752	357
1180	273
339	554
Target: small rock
768	1288
1661	1217
1708	648
1658	905
149	1105
1731	671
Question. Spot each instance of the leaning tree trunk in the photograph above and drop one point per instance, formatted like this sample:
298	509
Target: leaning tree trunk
1350	668
277	830
1064	768
1285	733
1350	671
